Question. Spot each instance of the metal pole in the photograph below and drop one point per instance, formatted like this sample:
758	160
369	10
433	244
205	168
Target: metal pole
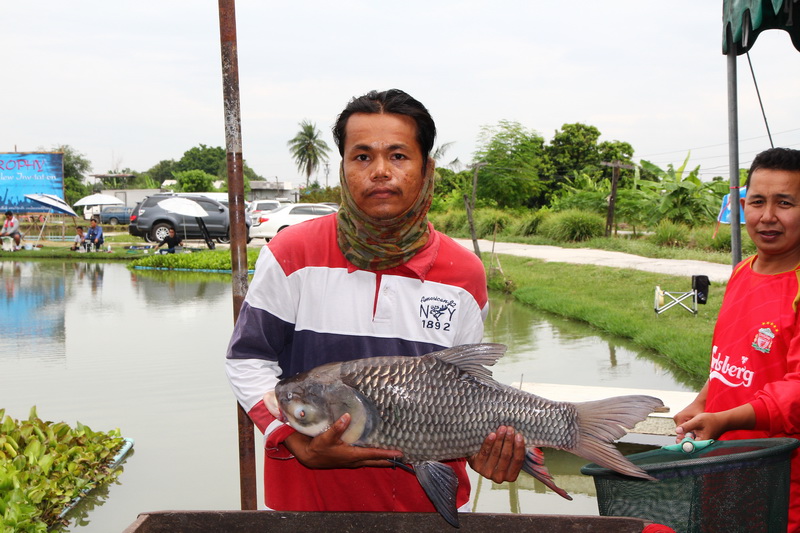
238	227
733	155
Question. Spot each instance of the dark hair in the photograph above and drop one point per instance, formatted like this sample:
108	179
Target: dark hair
392	101
775	159
9	213
79	228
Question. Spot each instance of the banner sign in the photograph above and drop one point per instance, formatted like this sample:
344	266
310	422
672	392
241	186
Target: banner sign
725	211
29	173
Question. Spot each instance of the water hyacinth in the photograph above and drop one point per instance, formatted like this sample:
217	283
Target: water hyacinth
44	466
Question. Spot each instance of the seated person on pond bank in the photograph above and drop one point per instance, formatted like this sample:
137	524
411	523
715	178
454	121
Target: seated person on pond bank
80	239
11	229
172	241
95	235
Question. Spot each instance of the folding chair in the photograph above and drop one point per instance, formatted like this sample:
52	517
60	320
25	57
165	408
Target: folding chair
698	295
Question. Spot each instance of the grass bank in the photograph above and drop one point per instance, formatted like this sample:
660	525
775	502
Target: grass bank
618	301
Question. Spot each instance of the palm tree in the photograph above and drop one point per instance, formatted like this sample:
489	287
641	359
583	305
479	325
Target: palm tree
308	150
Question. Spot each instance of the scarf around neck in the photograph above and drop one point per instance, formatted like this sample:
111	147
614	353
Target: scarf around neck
372	244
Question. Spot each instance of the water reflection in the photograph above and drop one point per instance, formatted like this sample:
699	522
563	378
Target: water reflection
162	288
545	348
32	309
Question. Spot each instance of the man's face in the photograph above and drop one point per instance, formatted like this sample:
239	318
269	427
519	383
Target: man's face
93	223
171	232
382	163
772	216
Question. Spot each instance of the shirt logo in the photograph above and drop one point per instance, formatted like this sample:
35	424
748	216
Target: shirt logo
727	371
436	312
763	340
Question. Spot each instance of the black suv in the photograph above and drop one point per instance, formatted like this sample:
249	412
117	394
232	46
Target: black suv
153	222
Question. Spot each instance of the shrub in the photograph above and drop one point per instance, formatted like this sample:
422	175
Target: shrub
572	226
704	238
669	233
487	221
452	222
528	224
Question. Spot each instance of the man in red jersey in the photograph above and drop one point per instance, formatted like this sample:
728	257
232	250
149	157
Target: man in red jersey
753	390
375	279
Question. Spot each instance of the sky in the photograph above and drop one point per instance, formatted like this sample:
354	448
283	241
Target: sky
129	83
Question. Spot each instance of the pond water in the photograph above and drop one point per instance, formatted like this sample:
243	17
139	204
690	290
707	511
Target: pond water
143	352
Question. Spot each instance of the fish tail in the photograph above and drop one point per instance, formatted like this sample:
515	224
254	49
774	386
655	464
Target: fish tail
602	422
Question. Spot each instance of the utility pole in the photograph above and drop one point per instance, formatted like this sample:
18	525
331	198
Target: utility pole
238	228
615	166
471	205
327	173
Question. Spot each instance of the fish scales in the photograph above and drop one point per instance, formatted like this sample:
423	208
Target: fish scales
427	409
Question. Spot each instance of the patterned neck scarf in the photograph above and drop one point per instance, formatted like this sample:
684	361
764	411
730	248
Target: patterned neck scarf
373	244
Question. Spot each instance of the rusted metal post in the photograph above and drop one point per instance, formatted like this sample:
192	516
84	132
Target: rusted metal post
235	163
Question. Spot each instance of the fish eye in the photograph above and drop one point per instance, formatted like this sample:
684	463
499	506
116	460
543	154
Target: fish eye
300	413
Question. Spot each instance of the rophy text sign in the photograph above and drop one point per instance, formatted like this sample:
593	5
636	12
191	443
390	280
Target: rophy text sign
29	173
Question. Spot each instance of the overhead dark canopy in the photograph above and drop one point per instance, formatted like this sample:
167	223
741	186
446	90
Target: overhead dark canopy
743	20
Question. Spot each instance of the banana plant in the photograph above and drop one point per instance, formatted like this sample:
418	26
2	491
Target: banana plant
682	196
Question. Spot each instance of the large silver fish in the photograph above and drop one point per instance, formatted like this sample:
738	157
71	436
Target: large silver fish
443	405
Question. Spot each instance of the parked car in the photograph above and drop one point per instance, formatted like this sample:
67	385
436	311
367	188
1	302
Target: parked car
152	222
257	207
269	224
116	214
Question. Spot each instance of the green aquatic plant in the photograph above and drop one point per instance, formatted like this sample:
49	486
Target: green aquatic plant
208	260
45	465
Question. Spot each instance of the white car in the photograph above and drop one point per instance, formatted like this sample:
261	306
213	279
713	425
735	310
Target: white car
257	207
269	224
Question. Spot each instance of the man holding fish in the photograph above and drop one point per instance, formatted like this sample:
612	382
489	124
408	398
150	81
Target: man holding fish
375	279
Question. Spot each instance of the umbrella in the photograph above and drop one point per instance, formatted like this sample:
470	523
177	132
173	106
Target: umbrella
183	206
99	199
188	208
53	202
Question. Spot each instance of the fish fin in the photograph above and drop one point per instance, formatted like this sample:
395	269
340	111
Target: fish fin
473	358
400	464
534	465
603	421
440	484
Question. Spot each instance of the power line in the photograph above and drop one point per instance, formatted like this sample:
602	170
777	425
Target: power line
717	145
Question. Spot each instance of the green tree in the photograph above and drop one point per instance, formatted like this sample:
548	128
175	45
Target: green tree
162	171
513	163
617	151
76	167
308	150
194	181
576	148
316	194
209	159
